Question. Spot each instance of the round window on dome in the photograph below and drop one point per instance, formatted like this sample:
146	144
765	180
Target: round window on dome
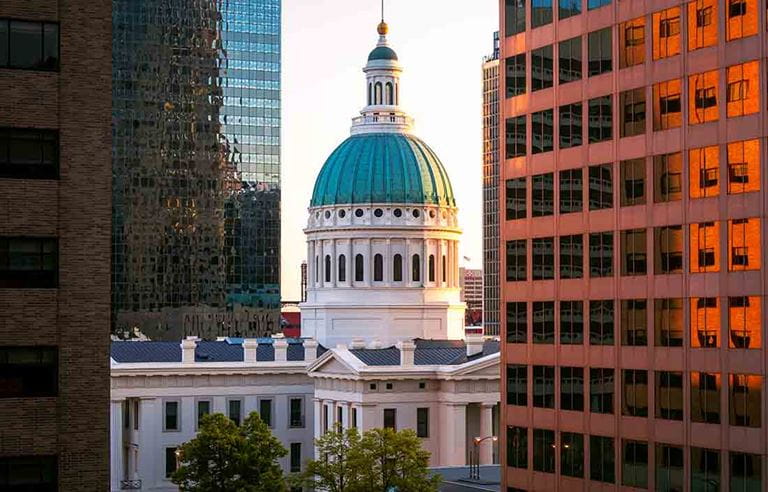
327	214
359	212
378	212
416	213
342	213
398	212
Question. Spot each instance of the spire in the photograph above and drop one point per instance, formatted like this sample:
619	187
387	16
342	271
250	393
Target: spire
382	28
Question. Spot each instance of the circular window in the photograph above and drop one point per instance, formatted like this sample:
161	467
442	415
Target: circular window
378	212
416	213
398	212
327	214
342	213
432	214
359	212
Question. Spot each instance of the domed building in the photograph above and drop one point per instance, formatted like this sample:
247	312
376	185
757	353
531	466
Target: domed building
383	234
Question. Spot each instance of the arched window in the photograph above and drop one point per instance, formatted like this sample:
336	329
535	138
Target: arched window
378	268
370	93
327	268
377	93
397	268
359	269
390	94
416	269
431	268
445	270
342	268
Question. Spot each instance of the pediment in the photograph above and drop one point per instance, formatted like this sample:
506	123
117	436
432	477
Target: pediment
487	367
332	363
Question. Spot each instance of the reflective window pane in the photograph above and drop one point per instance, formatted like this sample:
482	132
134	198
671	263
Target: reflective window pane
744	244
745	322
600	119
704	171
667	105
634	322
705	322
515	75
599	52
3	42
632	42
516	260
669	395
744	399
668	249
668	177
516	137
634	463
601	390
632	118
741	18
543	314
595	4
517	322
544	386
570	59
702	23
742	89
634	392
570	125
572	388
600	187
705	397
633	184
517	384
668	322
601	322
705	247
746	472
703	98
515	16
571	256
542	68
666	33
601	254
544	450
25	44
542	131
572	454
517	447
634	259
669	467
571	191
542	195
601	458
541	12
568	8
516	199
571	322
543	258
744	166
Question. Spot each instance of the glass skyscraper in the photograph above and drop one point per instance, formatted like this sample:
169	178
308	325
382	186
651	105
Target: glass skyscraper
196	168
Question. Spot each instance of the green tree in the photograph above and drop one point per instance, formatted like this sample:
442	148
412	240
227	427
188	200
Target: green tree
227	458
334	470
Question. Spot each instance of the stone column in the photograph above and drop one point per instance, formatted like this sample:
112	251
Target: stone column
150	428
320	250
116	443
311	273
425	262
453	435
439	267
350	263
318	416
388	264
346	415
486	429
334	265
368	271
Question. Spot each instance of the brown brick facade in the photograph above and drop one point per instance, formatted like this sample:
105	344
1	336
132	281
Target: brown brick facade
76	208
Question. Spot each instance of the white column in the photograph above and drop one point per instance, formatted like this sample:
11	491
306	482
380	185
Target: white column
350	263
318	419
311	273
150	421
368	272
321	265
425	261
334	265
346	416
453	435
116	443
439	264
388	264
486	429
456	279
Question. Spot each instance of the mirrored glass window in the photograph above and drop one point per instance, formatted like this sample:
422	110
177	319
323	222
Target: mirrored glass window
599	52
744	244
667	105
634	322
516	138
543	258
704	171
666	33
570	125
668	177
632	42
633	184
514	11
668	322
705	247
571	256
542	131
745	322
571	322
669	395
571	191
634	259
515	75
635	392
705	322
741	19
705	397
601	322
542	195
600	119
543	315
544	386
601	390
541	12
746	472
703	98
570	60
744	166
744	399
516	260
568	8
702	23
742	89
632	104
542	68
516	200
601	254
634	463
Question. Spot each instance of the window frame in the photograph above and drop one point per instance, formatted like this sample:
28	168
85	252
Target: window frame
177	402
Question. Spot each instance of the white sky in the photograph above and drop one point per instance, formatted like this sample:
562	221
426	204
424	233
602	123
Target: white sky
440	43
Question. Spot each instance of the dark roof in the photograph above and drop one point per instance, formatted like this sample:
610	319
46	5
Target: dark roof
382	53
389	356
229	350
427	353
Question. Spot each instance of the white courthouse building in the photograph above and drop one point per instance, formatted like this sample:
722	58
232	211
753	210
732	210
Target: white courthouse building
382	343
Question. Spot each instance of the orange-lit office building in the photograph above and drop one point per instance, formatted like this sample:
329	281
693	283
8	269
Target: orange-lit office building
633	244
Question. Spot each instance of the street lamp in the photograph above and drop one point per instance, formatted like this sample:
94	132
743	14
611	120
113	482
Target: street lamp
474	465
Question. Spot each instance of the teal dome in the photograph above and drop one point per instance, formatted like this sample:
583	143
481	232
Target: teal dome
383	168
382	53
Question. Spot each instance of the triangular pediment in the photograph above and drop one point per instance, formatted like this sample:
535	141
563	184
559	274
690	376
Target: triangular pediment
332	362
484	367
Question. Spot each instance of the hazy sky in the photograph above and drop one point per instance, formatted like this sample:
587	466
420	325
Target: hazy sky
440	43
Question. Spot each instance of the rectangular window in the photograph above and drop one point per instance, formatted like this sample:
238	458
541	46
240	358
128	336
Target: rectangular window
702	24
517	384
514	13
744	244
517	447
666	33
602	460
600	119
744	322
571	256
600	187
543	256
516	260
29	45
668	177
633	182
572	388
601	389
601	321
422	422
599	52
669	395
29	153
541	12
634	260
571	322
669	467
632	112
235	411
29	473
634	463
705	469
705	247
353	424
667	105
668	322
516	137
265	411
744	166
632	42
542	127
743	89
542	68
29	372
544	322
668	246
516	199
544	386
171	462
571	191
745	395
601	254
542	195
515	75
295	457
568	8
544	450
570	125
203	409
635	393
29	262
517	322
296	418
705	322
572	454
171	416
702	98
596	4
390	418
742	19
705	397
570	60
634	322
704	171
746	472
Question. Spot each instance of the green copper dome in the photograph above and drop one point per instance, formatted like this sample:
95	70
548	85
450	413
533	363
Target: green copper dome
382	168
382	53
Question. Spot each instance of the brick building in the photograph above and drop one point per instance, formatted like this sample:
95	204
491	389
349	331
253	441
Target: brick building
634	228
55	203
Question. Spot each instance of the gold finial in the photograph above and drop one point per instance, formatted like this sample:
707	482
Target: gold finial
383	28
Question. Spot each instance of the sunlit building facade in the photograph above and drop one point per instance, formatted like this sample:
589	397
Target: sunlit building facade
196	168
634	206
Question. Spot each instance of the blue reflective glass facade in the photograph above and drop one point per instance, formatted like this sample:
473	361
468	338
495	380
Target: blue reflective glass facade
196	167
